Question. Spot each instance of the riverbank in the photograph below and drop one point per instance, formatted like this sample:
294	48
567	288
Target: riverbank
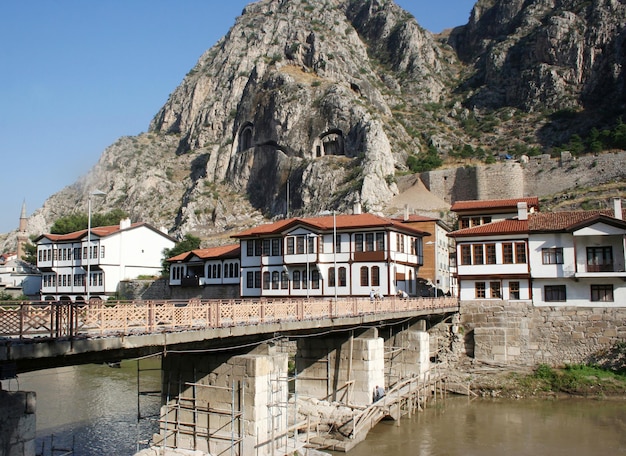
517	382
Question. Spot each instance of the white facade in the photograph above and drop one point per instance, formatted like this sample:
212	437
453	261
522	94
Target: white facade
206	267
18	277
443	278
502	273
581	268
300	259
111	254
572	258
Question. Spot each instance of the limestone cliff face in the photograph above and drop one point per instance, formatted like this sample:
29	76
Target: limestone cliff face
292	95
308	105
545	54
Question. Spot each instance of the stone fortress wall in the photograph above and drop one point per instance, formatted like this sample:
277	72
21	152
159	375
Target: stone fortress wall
539	176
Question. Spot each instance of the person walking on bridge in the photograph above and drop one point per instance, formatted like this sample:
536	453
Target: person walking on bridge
379	393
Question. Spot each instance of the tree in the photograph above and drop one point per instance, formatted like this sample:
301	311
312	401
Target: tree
30	251
187	244
576	145
424	162
77	222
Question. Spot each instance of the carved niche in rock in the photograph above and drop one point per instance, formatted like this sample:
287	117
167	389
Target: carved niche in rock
330	143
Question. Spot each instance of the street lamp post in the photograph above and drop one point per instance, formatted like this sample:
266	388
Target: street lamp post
335	253
94	193
307	265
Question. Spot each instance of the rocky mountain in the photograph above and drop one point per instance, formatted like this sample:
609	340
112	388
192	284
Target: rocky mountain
307	106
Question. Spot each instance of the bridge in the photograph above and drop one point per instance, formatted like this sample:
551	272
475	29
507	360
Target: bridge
43	334
225	384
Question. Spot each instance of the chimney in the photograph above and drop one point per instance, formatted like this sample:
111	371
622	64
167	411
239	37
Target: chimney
522	210
357	208
406	212
124	223
617	208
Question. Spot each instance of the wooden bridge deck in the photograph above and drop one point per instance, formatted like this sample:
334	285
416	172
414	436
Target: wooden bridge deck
45	319
39	335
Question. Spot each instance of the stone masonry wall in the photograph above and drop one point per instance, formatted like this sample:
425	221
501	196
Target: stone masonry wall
499	180
540	176
17	423
517	333
159	289
327	365
545	176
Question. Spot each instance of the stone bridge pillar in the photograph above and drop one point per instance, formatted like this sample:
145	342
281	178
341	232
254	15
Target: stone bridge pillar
340	367
407	352
17	423
218	401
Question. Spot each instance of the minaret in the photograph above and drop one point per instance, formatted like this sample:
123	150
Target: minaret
22	235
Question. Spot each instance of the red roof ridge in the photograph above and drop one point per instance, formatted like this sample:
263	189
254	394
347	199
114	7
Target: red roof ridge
507	226
531	201
325	223
222	251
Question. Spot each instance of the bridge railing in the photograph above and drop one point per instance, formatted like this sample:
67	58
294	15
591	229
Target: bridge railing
45	319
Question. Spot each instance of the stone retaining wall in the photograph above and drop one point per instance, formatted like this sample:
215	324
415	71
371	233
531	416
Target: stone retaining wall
516	332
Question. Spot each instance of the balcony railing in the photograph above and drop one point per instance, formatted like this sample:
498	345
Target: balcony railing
601	268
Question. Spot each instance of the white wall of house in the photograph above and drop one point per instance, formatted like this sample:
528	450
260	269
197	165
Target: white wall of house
575	277
500	267
578	292
509	289
124	254
314	254
133	252
536	246
558	261
220	272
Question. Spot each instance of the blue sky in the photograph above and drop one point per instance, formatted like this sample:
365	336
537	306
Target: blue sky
75	75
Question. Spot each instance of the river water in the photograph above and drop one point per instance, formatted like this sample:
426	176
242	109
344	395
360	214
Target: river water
94	409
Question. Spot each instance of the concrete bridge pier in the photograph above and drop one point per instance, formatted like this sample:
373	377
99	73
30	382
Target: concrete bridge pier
343	367
219	402
407	352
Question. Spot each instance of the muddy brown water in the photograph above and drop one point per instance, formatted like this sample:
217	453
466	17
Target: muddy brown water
94	409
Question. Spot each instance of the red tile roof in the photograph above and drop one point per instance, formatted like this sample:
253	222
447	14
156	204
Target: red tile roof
510	204
509	226
569	220
101	231
221	252
325	223
542	222
416	218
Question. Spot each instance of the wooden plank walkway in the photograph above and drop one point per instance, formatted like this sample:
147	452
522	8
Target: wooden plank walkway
404	398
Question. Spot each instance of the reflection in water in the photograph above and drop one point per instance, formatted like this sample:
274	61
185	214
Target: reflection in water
94	405
97	406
